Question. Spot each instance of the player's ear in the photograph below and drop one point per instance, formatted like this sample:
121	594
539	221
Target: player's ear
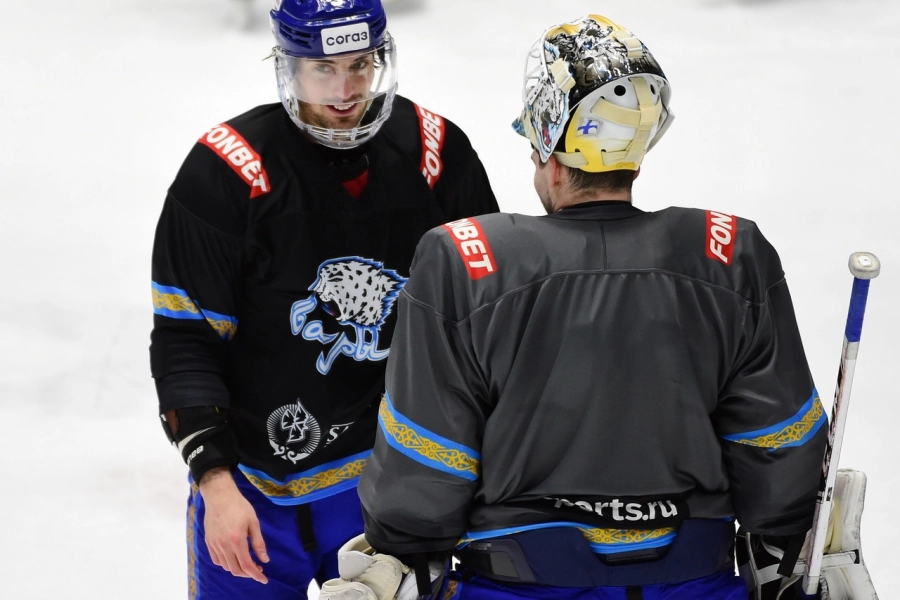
556	171
637	173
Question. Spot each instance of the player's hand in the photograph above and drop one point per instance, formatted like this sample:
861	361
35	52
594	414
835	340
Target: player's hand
230	520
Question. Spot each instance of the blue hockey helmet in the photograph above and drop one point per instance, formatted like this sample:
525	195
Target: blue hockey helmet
316	28
336	67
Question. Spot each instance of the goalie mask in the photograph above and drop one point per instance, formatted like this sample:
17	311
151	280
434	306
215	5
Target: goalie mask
335	64
594	97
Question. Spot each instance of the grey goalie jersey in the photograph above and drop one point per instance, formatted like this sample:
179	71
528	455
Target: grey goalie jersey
602	368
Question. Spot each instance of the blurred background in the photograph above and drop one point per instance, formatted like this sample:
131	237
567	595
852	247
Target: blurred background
784	115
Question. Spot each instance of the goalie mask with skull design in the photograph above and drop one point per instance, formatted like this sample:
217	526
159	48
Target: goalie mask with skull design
594	97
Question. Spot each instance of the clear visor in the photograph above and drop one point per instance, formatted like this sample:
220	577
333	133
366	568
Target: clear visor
341	99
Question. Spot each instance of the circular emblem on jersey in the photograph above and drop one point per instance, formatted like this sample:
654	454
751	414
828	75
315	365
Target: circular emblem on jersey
293	432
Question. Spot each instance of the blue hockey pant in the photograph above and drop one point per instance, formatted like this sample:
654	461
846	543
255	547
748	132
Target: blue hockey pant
290	569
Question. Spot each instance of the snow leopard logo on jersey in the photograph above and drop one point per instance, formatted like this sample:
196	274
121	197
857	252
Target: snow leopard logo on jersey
358	293
293	432
355	291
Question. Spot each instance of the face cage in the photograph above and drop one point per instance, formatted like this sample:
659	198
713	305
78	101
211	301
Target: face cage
546	106
379	101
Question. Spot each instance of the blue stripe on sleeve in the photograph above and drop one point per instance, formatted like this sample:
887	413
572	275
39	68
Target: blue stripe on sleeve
794	431
426	447
175	303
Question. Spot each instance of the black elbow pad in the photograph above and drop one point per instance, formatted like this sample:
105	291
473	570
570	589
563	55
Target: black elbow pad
203	438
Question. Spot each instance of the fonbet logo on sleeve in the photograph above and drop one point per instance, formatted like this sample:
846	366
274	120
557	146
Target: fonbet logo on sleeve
473	247
432	130
345	38
720	233
243	160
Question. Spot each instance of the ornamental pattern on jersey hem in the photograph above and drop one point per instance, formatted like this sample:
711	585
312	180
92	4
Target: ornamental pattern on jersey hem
792	432
602	540
623	536
426	447
303	485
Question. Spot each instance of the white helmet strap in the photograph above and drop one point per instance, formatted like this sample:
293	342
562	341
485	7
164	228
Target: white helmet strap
633	45
649	116
575	160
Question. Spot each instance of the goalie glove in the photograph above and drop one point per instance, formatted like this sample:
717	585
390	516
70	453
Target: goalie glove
370	575
844	574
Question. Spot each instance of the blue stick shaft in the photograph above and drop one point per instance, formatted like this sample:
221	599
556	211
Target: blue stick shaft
858	296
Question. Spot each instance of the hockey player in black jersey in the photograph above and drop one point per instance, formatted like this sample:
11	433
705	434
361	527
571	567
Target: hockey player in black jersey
283	244
583	404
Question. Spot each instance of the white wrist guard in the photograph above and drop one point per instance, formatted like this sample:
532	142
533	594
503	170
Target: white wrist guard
367	575
844	574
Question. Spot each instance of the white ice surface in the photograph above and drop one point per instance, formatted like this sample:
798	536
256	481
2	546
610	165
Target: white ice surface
786	114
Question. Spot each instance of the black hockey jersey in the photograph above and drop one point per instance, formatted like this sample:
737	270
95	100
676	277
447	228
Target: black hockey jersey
601	368
274	288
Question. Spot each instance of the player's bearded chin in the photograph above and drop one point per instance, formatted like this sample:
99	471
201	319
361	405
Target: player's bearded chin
318	115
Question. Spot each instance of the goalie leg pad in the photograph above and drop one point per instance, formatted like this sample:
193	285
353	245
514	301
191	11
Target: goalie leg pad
844	574
847	581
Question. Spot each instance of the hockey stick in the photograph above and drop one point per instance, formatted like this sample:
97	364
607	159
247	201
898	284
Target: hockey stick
864	267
